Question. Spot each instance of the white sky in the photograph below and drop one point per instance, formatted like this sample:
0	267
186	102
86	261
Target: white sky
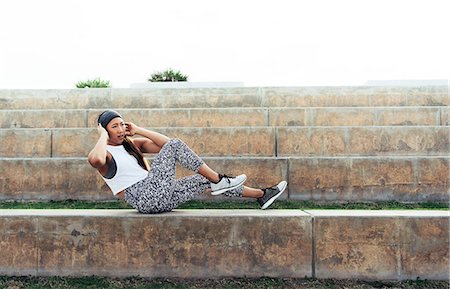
54	44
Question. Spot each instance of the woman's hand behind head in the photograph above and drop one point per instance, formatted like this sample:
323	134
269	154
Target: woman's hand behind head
131	128
101	130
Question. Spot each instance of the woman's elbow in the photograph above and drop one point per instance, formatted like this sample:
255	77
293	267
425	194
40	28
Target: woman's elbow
96	161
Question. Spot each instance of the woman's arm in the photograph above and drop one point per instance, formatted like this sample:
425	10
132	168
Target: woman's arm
156	138
97	156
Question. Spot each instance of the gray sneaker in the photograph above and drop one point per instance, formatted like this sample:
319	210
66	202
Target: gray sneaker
271	194
227	183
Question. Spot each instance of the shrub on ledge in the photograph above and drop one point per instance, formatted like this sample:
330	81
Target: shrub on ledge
168	75
93	83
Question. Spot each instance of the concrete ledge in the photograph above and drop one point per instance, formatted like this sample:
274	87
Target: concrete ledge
248	141
405	179
381	244
232	117
187	244
225	97
372	245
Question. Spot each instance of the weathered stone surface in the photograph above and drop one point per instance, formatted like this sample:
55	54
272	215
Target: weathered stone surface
434	171
50	179
322	179
183	243
18	238
211	117
203	141
42	118
368	179
367	245
409	179
360	141
25	143
314	96
288	116
406	116
55	98
381	172
425	248
356	116
247	141
428	95
445	116
309	141
186	97
224	97
74	178
381	245
342	116
398	140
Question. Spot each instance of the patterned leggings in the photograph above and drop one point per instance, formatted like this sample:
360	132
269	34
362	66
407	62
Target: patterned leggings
160	191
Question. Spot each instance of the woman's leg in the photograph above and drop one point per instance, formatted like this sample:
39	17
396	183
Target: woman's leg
164	164
252	192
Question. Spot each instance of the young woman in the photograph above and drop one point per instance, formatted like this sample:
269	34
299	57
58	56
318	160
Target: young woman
120	161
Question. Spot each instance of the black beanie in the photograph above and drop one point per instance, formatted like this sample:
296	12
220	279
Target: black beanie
105	117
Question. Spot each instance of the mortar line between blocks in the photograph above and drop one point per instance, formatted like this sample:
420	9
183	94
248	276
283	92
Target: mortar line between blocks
37	246
51	143
313	248
313	244
276	141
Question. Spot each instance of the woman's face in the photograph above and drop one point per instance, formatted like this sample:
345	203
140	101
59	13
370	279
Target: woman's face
117	131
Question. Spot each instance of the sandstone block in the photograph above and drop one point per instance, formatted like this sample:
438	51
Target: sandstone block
18	238
314	96
389	96
408	116
445	118
428	96
398	140
425	248
434	171
381	245
55	98
306	141
74	178
288	116
42	118
203	141
382	171
186	97
190	117
50	179
25	143
342	116
318	178
183	243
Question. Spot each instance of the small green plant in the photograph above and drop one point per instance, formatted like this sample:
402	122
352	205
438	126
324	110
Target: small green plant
168	75
93	83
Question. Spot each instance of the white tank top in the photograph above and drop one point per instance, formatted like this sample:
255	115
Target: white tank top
128	170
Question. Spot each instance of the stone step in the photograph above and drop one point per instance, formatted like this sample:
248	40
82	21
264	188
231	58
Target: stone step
247	141
225	97
328	179
220	117
367	245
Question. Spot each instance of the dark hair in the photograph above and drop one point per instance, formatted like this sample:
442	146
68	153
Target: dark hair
132	149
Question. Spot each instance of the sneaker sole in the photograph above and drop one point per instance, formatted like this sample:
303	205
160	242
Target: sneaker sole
221	191
270	201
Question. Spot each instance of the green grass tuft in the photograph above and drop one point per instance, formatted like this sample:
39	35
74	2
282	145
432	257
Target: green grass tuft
232	204
232	283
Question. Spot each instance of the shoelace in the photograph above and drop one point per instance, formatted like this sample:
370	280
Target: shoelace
227	178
